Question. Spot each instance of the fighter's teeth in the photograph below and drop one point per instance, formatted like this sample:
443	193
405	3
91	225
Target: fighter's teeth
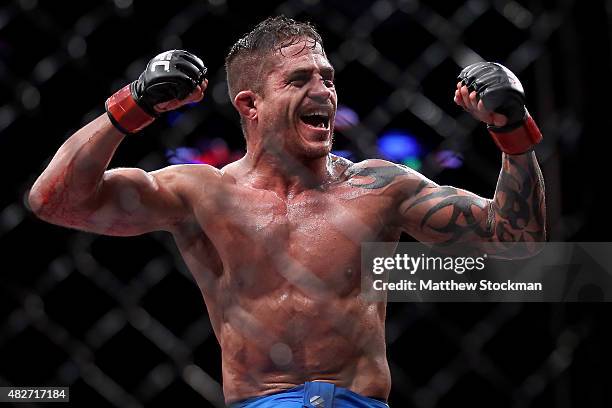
324	114
318	119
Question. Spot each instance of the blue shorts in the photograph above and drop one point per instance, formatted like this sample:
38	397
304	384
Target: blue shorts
312	395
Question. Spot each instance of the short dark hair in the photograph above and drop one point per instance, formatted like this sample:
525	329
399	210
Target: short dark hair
243	63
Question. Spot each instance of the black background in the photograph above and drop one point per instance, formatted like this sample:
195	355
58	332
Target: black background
57	284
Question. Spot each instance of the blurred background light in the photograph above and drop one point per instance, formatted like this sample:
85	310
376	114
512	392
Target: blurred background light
214	152
347	154
398	145
412	162
448	159
346	118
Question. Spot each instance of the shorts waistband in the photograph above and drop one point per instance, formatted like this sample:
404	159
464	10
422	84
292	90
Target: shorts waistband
313	394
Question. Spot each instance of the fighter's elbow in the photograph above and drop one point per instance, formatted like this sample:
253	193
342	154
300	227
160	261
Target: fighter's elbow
520	243
37	203
50	207
44	209
535	247
539	240
528	244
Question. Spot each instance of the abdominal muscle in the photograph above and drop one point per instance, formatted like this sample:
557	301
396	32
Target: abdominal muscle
274	337
277	342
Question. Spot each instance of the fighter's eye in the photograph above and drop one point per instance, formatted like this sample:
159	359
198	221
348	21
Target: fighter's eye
329	83
297	82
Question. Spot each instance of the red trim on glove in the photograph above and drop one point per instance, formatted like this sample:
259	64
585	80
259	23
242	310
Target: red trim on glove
519	140
125	113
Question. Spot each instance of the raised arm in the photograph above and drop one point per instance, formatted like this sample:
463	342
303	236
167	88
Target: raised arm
447	214
432	213
77	191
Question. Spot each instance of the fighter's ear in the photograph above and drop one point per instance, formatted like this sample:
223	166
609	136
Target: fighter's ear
245	104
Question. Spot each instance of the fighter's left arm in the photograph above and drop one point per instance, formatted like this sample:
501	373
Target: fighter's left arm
517	213
445	214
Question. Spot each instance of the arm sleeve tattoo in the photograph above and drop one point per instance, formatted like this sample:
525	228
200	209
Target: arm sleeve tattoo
515	214
444	214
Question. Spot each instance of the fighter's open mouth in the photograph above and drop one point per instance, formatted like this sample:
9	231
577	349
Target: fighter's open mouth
318	120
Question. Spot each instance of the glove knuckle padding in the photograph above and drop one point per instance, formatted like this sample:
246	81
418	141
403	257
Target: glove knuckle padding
501	91
467	74
197	66
497	87
194	60
189	69
170	75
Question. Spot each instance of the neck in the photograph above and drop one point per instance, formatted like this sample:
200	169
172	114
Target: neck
283	173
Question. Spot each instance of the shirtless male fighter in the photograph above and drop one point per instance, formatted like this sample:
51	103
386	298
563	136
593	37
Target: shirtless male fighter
273	239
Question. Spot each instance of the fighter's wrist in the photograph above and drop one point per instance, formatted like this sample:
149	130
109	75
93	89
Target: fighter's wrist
519	118
125	113
517	139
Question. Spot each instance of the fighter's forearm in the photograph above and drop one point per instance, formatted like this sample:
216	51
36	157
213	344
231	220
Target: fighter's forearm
518	207
77	169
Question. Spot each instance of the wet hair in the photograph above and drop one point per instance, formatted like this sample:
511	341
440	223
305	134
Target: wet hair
245	61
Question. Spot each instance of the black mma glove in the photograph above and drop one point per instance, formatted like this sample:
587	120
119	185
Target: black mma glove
502	92
171	75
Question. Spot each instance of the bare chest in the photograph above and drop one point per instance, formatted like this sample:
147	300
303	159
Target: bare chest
264	242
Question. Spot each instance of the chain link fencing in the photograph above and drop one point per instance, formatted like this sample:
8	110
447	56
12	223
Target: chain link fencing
120	320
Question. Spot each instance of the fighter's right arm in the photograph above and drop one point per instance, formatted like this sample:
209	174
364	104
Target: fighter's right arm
76	190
